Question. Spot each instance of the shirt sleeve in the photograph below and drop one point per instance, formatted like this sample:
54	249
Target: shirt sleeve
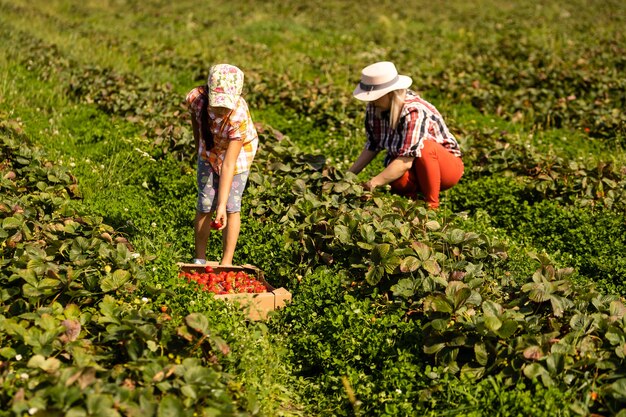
238	123
195	101
238	130
413	130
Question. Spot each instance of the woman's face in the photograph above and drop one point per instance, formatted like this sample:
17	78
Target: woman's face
383	103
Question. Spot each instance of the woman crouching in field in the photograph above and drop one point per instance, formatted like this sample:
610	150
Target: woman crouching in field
226	143
422	155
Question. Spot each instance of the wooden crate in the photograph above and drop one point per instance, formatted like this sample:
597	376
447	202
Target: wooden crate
257	305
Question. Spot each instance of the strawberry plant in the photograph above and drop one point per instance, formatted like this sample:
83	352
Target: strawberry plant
78	329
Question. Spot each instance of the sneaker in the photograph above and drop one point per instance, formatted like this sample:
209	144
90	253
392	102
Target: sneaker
199	261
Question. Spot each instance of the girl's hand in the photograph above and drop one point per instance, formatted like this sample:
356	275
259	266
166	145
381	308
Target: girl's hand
220	219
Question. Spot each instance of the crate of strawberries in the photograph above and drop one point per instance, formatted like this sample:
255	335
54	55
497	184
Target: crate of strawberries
244	285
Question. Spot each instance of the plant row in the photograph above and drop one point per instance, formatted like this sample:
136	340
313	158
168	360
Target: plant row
481	314
79	334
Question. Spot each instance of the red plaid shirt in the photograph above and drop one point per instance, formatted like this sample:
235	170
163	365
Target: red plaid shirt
419	121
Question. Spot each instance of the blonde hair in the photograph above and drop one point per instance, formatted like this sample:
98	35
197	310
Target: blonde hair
397	103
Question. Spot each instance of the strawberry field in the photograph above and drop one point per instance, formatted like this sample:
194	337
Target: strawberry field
508	300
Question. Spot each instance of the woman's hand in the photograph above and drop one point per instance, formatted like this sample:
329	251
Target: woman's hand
368	186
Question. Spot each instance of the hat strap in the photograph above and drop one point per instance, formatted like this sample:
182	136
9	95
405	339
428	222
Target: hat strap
372	87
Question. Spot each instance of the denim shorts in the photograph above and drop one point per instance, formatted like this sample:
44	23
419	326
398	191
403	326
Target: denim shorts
208	184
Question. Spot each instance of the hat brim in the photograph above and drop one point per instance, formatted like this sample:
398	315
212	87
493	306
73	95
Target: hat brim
223	100
403	82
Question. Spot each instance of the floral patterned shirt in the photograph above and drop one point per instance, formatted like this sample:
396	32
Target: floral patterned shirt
237	125
419	121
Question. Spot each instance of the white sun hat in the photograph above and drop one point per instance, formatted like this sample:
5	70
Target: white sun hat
378	79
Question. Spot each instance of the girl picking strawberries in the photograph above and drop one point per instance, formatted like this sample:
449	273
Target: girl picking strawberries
226	143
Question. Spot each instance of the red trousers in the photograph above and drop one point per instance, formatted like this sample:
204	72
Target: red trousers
436	170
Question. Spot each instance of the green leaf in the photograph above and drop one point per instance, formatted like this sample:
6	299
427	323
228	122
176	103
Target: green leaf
49	365
617	309
432	267
491	308
342	232
474	299
456	236
559	305
434	348
171	406
8	352
433	225
11	223
614	335
555	363
533	370
508	328
188	391
368	233
198	322
380	252
341	186
101	405
405	230
115	280
365	246
481	354
404	288
618	389
110	311
76	412
473	270
374	274
298	187
580	322
29	276
461	296
439	303
72	311
620	351
537	292
458	292
316	162
422	250
410	264
471	372
493	323
391	264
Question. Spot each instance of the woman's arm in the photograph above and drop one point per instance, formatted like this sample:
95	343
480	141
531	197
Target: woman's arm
363	160
226	179
392	172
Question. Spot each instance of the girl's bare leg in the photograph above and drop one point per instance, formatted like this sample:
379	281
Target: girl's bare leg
202	230
229	238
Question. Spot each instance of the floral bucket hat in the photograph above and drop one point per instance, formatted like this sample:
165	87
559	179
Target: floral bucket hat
225	84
